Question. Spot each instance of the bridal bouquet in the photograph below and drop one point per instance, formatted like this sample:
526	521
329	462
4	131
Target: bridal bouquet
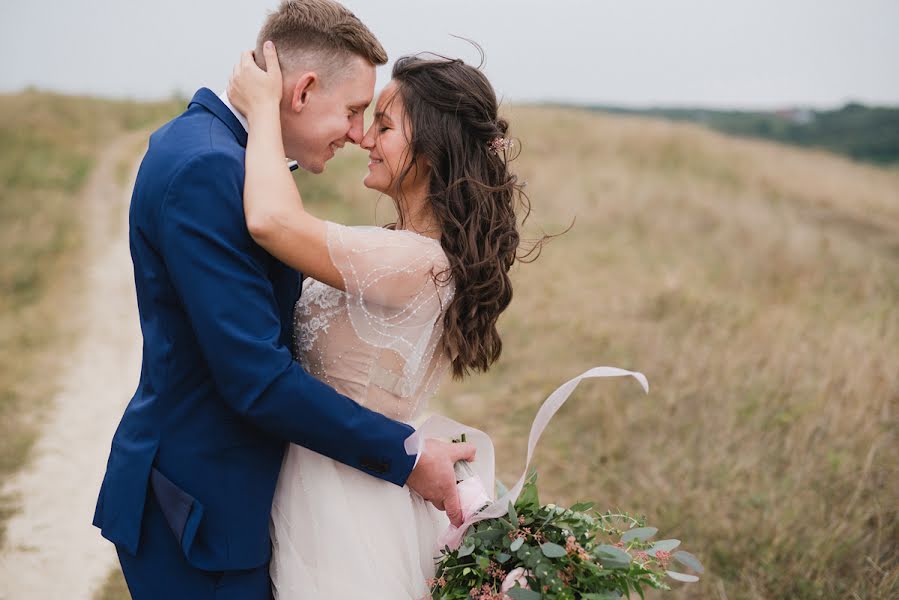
545	551
514	548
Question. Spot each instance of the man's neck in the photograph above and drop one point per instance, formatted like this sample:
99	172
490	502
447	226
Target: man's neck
243	120
292	164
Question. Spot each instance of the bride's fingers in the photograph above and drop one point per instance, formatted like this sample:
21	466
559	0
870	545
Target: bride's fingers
453	507
246	58
463	451
272	65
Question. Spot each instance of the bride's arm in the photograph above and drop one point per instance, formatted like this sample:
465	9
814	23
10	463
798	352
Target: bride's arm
273	207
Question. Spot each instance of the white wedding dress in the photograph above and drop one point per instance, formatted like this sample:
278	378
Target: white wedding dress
338	533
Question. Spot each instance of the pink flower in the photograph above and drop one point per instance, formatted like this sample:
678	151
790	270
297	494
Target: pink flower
517	575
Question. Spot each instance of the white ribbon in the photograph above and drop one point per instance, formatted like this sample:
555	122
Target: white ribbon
484	466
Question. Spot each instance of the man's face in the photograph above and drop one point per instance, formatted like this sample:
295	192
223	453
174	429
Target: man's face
321	118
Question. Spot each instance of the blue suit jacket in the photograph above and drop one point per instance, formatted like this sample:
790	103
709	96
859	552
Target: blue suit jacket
219	394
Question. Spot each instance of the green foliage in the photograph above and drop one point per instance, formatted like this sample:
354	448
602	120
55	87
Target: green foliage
563	554
865	133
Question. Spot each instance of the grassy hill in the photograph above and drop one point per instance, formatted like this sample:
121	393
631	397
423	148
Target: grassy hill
865	133
756	285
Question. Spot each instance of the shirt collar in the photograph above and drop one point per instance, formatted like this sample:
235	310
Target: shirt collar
292	164
243	120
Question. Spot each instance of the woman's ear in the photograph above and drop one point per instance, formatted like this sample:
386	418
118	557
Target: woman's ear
304	86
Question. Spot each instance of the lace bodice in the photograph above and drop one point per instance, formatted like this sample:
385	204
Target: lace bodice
378	342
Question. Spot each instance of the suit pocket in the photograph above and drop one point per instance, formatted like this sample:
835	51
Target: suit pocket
181	510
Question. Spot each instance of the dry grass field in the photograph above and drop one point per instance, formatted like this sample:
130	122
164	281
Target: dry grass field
757	286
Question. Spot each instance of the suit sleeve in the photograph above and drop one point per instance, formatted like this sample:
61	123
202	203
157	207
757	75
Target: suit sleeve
219	274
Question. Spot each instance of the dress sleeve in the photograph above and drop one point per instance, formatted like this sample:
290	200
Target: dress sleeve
398	287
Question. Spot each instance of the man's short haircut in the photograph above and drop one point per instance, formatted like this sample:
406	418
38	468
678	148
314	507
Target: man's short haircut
319	35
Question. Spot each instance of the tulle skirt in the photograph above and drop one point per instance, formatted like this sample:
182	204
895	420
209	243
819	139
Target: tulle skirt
340	534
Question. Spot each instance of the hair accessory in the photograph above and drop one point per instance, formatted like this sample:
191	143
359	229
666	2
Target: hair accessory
500	144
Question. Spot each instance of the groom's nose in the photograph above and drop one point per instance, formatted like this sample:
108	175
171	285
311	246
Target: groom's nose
356	131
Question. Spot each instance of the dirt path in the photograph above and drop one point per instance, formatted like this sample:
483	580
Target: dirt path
52	550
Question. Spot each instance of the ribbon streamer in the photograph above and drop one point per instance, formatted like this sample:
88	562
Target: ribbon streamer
484	466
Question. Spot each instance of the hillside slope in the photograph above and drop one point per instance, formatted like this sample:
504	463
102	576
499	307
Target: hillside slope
757	286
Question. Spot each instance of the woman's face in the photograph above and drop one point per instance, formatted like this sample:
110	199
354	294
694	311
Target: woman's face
387	142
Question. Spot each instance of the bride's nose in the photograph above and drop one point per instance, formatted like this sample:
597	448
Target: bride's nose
368	140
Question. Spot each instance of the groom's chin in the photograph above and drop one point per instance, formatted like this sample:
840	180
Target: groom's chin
312	167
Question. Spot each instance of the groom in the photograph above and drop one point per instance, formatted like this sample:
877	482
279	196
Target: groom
194	461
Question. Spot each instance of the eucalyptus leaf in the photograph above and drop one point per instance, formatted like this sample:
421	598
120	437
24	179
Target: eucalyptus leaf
639	533
513	516
612	557
518	593
502	557
528	497
688	560
525	552
551	550
501	490
516	544
666	545
582	506
682	577
490	535
466	550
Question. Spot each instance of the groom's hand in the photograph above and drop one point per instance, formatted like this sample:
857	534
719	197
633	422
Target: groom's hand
434	479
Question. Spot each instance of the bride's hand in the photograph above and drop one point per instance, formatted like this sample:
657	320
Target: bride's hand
252	90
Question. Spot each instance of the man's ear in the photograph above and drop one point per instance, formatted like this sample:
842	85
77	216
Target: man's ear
307	84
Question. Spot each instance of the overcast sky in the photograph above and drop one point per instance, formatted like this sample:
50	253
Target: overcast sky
727	53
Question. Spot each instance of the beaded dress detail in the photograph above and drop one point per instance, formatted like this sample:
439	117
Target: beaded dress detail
379	343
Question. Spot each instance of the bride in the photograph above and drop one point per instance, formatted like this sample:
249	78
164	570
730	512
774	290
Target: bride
384	312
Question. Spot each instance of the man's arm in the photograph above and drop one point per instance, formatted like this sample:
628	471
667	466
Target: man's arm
219	274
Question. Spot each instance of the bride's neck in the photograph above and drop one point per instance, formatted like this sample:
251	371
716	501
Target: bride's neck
416	215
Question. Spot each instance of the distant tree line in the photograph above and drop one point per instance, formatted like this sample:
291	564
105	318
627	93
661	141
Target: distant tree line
865	133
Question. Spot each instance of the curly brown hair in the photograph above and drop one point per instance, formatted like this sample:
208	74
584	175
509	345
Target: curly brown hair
473	196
